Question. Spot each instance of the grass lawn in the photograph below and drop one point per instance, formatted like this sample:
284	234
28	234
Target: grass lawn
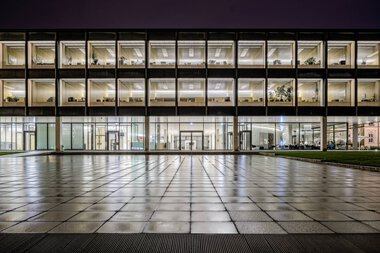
368	158
9	153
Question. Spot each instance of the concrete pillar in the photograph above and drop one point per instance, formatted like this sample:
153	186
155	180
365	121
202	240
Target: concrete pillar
58	134
236	133
355	133
146	138
323	133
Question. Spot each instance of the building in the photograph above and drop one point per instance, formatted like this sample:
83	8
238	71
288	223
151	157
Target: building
189	89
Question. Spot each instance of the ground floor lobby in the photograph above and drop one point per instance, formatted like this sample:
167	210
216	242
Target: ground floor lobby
198	134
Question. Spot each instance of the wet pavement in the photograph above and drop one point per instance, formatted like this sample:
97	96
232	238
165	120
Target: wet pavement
247	194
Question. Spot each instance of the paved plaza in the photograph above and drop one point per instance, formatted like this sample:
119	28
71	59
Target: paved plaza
246	194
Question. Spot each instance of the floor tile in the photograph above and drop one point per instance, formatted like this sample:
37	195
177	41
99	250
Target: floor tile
210	216
77	227
167	227
53	216
31	227
170	216
121	227
213	228
266	227
131	216
207	207
304	227
249	216
92	216
327	216
288	216
349	227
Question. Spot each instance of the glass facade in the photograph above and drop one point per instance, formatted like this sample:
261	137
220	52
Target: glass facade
251	92
251	54
162	54
183	81
368	54
310	54
162	92
368	92
221	92
101	54
101	92
41	92
72	54
191	54
12	92
340	54
191	92
310	92
341	92
41	54
103	133
131	92
191	133
131	54
12	54
72	92
221	54
281	54
280	92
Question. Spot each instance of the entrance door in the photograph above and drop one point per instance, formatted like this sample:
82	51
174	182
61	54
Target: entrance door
191	140
245	140
113	140
29	140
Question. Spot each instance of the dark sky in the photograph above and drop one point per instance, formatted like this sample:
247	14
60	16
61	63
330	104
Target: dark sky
190	14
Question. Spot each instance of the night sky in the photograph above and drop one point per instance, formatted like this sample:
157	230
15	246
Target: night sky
189	14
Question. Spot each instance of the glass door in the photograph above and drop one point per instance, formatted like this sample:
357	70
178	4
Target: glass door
191	140
245	140
113	140
30	140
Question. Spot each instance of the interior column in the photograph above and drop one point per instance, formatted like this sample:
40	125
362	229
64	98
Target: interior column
58	134
355	131
236	133
146	132
323	133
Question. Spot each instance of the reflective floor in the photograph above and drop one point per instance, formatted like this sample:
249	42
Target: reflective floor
184	194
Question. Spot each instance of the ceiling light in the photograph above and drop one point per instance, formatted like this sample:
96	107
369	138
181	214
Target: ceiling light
112	53
373	54
138	52
191	52
165	52
217	52
271	51
244	52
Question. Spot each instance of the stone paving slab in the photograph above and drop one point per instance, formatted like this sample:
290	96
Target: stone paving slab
209	194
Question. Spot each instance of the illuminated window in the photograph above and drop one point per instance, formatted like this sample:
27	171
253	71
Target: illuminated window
280	54
131	54
131	92
41	92
101	54
221	54
191	54
101	92
368	54
340	92
13	92
72	54
340	54
251	92
41	54
310	54
221	92
13	54
191	92
251	54
281	92
73	92
162	54
162	92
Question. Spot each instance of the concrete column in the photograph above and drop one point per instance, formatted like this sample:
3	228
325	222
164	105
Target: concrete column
58	134
236	133
355	133
323	133
146	138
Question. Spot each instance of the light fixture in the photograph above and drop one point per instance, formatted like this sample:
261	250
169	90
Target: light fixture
191	52
112	53
165	52
217	52
244	52
138	52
